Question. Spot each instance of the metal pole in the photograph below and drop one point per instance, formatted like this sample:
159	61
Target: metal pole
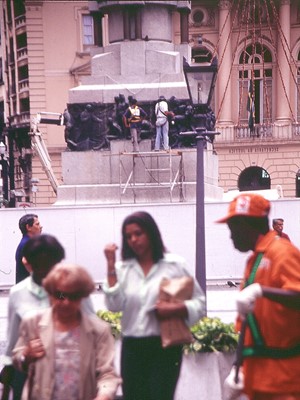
200	217
5	178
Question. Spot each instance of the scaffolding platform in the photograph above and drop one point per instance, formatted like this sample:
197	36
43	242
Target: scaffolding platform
154	170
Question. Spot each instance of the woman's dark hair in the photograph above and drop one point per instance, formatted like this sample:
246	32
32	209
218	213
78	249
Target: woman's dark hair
147	223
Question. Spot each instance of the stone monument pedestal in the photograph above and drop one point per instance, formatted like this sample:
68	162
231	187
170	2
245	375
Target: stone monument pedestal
141	60
120	176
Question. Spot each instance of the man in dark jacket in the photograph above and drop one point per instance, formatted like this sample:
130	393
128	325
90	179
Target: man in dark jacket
30	226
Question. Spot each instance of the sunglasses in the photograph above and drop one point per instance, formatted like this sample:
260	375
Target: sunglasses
70	296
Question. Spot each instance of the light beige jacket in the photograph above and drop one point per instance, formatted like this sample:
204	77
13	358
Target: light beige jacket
97	374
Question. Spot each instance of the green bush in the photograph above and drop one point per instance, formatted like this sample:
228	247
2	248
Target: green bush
114	319
210	334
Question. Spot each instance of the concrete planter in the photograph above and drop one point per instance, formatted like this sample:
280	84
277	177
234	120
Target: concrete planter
202	375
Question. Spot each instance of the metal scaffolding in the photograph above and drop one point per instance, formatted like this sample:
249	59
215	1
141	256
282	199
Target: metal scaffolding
151	170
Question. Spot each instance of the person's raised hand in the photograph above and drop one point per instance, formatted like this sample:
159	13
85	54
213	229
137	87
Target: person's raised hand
110	252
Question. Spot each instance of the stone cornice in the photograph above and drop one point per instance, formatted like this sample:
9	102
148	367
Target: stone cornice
224	4
285	2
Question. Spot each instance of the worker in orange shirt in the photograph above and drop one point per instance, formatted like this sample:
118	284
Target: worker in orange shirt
268	302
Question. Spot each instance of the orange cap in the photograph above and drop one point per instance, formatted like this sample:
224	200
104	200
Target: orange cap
247	205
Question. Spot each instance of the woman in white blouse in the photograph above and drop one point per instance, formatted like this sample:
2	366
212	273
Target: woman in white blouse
149	371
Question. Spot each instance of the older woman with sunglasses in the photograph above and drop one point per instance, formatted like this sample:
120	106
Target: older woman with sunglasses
67	353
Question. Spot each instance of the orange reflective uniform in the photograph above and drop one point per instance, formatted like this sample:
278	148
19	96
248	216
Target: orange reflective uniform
279	325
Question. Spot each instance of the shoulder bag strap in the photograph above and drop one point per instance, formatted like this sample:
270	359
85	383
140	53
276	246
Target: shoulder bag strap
159	109
251	320
251	278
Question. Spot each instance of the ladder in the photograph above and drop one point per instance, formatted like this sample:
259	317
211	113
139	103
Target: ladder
151	170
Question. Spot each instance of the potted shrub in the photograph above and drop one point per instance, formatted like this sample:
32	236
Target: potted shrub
114	319
206	361
211	335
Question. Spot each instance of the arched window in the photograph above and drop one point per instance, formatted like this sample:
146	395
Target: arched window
254	178
255	63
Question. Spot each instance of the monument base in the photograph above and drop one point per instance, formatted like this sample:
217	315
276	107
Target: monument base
120	175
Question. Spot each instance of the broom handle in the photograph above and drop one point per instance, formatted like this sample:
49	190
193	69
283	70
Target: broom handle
239	350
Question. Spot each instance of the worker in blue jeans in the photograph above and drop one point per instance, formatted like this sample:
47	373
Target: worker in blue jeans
162	124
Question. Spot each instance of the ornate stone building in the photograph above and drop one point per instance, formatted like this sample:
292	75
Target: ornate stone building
258	47
256	100
45	49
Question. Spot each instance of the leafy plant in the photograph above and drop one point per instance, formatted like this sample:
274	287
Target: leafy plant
114	319
210	334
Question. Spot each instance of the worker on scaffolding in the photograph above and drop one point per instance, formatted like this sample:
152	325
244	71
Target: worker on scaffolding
133	118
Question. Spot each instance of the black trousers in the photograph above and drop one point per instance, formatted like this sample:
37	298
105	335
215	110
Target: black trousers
149	372
18	383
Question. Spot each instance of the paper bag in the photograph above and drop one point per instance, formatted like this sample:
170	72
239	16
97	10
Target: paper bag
174	331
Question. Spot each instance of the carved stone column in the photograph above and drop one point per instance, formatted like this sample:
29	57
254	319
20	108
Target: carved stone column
184	25
126	24
138	24
224	60
283	113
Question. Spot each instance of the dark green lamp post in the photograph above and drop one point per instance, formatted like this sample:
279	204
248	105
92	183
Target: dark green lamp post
200	80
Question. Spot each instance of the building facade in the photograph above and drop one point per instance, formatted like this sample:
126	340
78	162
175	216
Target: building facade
257	93
256	100
45	48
